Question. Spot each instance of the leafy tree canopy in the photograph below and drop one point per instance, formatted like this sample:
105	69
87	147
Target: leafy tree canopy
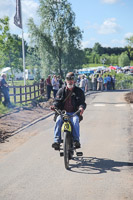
57	35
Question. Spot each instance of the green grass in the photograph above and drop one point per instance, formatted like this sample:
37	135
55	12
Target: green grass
21	82
131	63
3	109
93	65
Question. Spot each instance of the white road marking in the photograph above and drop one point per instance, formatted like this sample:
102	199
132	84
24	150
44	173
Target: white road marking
99	104
117	105
120	105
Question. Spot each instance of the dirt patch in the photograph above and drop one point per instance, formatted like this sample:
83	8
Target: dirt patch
20	117
129	97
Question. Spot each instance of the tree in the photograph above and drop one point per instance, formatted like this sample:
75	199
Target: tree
114	59
98	48
57	36
130	41
105	58
32	59
129	48
124	60
10	48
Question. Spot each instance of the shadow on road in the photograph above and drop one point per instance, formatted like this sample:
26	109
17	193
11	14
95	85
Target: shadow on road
93	165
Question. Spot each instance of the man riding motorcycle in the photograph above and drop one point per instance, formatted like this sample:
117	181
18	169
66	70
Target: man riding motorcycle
69	98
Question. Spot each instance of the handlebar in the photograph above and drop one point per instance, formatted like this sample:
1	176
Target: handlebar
63	112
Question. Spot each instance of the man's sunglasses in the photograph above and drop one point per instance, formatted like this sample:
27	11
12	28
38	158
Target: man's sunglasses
70	78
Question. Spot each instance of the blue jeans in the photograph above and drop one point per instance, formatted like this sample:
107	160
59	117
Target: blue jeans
58	125
6	97
83	88
49	88
55	92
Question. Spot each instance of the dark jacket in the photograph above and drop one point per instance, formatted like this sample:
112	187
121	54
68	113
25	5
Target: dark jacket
78	98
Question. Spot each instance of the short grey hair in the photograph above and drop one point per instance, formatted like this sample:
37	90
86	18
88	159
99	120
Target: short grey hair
3	74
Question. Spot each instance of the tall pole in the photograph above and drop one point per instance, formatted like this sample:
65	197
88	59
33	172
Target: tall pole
23	47
23	56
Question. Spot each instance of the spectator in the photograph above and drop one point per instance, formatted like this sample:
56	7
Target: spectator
93	81
60	81
105	82
78	81
100	82
5	91
86	84
42	87
49	87
82	83
113	83
108	82
55	84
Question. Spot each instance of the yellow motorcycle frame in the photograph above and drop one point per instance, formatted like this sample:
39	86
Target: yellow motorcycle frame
66	127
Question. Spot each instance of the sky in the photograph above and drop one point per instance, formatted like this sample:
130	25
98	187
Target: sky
107	22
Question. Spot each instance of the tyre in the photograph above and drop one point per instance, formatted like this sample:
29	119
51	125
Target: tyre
67	146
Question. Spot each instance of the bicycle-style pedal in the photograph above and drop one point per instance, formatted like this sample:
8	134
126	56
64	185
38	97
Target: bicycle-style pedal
57	149
61	154
79	153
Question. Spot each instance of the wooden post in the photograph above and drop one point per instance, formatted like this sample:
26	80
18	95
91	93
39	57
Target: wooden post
34	91
0	92
38	89
20	94
30	91
41	87
25	93
14	94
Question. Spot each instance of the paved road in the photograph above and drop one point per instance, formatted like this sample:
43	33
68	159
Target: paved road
33	170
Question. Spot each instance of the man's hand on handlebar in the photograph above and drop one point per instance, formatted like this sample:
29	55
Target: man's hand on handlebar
81	110
52	107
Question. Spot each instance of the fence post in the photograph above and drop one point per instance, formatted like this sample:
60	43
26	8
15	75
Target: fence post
41	87
34	91
30	91
38	89
14	91
25	93
0	92
20	94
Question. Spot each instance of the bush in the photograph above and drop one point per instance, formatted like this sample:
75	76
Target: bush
124	81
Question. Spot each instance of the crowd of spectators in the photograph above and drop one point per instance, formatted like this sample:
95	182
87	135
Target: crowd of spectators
103	82
54	83
95	82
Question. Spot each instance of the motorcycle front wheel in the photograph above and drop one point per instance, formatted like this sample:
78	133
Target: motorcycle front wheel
67	146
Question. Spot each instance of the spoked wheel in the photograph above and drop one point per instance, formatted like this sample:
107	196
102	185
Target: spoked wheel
67	146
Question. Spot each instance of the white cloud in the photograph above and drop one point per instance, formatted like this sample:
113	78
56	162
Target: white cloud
110	1
85	44
88	43
127	35
8	8
29	9
109	26
118	43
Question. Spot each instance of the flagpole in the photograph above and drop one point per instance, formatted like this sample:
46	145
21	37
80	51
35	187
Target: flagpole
23	56
23	47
